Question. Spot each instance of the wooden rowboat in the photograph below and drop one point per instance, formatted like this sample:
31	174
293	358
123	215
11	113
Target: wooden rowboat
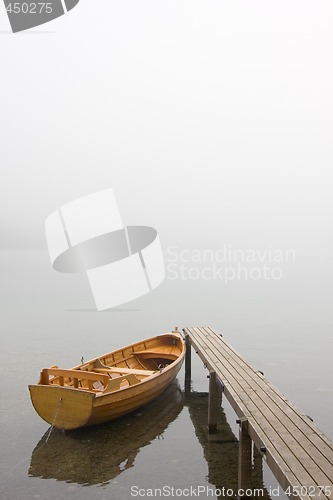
109	386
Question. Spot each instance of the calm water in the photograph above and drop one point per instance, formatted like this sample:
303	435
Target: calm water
283	328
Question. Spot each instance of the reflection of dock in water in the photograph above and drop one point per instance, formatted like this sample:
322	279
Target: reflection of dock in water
98	454
221	448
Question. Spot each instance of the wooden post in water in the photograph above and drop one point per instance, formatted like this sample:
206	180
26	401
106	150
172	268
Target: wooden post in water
212	402
187	364
257	472
244	456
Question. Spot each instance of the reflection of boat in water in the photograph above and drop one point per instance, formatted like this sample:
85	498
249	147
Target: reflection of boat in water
109	386
98	454
221	448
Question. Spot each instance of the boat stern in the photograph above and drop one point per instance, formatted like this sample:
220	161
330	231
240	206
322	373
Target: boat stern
64	407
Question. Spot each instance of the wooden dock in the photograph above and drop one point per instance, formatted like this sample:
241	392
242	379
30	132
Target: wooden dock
297	452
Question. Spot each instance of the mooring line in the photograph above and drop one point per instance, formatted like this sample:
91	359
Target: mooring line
55	417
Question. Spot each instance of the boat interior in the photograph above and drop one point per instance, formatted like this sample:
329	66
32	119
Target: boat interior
119	369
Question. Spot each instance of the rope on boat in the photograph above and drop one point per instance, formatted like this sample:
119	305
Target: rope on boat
51	428
55	417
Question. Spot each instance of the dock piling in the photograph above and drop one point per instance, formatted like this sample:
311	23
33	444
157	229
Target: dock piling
212	402
187	364
244	456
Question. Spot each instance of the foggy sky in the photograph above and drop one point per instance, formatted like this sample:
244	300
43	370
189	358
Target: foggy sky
211	120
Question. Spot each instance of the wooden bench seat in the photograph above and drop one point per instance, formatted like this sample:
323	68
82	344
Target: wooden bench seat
114	384
115	369
150	353
102	368
74	378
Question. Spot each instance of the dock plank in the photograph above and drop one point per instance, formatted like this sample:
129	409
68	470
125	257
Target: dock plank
304	423
298	453
246	395
285	427
276	414
319	439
